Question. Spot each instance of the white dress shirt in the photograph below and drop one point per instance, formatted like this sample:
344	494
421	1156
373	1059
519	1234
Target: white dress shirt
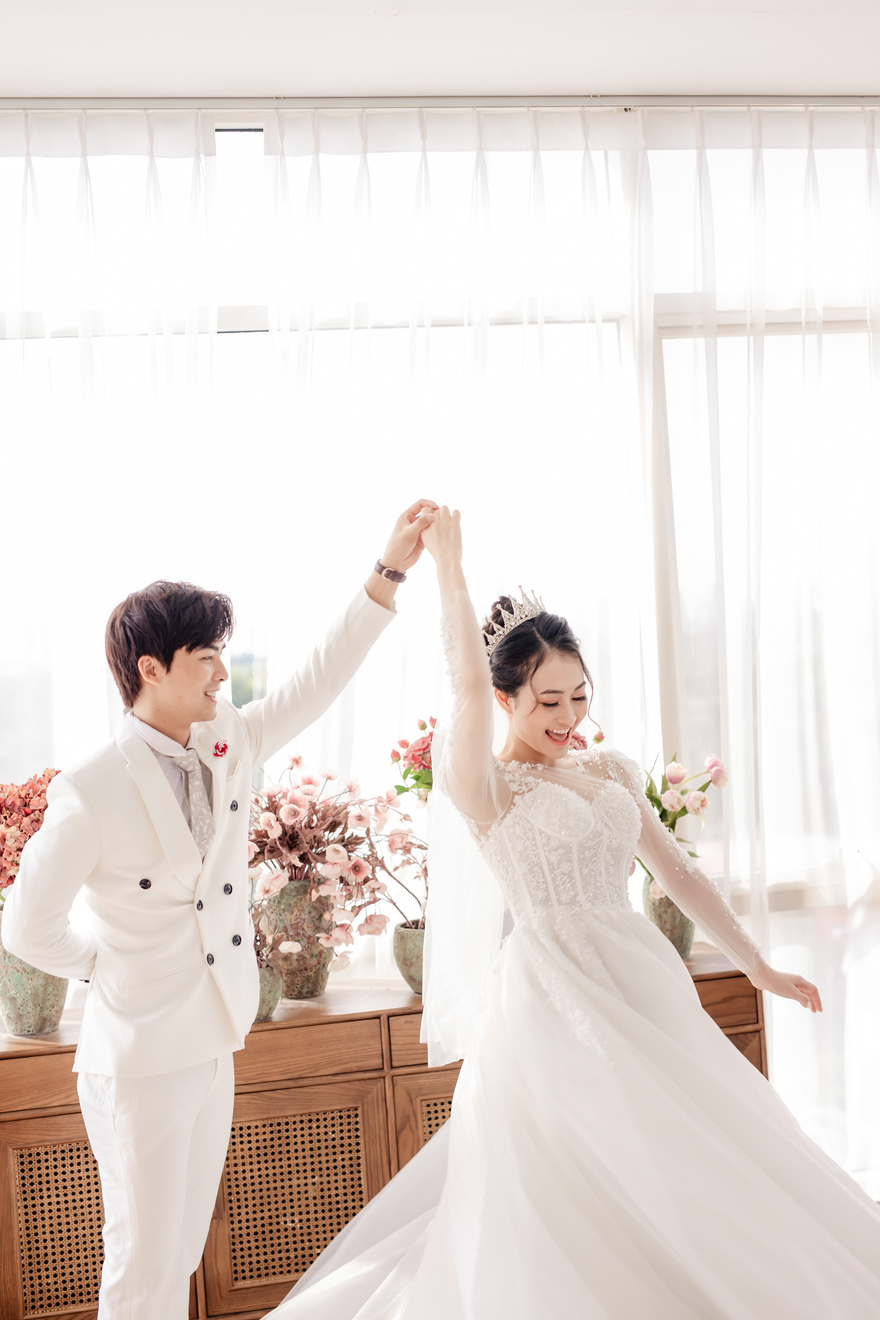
166	750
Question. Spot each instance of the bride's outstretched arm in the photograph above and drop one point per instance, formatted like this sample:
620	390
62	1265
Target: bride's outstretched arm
470	778
701	900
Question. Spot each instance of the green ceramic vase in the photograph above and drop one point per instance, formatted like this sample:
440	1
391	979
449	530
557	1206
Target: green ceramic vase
271	986
31	1001
409	950
304	974
677	928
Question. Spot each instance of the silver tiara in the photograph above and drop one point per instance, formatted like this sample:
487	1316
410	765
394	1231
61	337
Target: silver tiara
523	610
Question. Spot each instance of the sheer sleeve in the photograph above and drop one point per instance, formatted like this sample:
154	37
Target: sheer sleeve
469	775
680	877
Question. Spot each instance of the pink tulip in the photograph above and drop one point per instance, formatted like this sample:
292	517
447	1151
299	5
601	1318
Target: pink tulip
656	891
675	773
672	799
718	775
696	803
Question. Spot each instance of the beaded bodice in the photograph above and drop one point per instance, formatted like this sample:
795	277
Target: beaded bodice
565	841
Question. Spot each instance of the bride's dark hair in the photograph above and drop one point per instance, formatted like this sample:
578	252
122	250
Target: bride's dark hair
518	655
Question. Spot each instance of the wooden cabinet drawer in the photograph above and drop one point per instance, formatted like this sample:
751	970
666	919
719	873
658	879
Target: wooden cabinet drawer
322	1050
37	1082
731	1001
407	1051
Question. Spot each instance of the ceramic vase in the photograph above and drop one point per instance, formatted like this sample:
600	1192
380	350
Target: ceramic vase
677	928
31	1001
409	949
271	986
304	974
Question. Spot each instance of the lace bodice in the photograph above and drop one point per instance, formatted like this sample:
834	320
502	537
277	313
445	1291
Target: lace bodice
562	845
563	836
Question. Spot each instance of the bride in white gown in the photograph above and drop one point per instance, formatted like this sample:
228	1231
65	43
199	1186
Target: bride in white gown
610	1155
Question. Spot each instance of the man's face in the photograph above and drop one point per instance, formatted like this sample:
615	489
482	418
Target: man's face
187	690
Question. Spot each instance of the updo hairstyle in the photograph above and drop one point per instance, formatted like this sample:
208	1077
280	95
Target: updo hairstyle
516	657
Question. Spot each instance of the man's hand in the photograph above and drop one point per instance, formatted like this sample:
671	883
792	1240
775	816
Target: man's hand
405	543
404	549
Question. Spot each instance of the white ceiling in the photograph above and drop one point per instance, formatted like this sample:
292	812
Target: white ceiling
412	48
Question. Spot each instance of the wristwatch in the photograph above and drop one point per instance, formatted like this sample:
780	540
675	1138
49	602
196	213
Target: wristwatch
391	574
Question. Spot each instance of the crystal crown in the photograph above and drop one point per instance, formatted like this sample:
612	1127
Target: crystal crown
523	610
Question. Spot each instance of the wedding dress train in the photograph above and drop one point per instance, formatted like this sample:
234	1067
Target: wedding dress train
610	1154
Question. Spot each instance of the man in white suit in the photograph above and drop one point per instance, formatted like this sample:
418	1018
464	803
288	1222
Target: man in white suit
152	831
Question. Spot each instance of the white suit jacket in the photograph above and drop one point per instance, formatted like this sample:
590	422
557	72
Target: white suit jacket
166	941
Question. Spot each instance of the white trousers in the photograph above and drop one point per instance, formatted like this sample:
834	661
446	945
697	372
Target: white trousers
160	1143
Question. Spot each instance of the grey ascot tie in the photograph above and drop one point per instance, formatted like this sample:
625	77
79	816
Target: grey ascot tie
201	818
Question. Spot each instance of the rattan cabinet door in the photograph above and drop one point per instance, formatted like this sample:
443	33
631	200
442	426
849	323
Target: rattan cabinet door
51	1215
301	1163
422	1104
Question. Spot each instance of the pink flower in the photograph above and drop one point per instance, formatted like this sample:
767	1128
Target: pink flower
359	869
309	779
395	755
338	935
330	870
391	796
374	924
289	814
433	721
380	813
696	803
352	788
398	841
328	888
295	762
308	790
252	851
290	946
328	774
656	891
271	882
374	886
675	773
336	854
267	819
402	742
340	962
672	799
717	772
358	819
341	917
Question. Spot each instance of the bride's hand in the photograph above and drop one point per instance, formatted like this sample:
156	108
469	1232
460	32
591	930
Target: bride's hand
788	986
442	539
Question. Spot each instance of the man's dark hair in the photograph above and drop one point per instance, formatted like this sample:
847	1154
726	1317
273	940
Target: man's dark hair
159	620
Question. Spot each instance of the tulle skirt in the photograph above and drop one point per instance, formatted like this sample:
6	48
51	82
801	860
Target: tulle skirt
610	1156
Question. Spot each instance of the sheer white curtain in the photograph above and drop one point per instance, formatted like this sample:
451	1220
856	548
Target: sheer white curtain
638	349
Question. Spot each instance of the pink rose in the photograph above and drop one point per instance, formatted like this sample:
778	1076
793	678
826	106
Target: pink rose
599	737
672	799
696	803
374	924
402	742
675	773
395	755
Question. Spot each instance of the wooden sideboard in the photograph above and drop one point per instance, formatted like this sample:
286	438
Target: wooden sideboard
333	1096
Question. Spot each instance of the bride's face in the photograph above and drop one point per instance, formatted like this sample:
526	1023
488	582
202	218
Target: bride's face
545	713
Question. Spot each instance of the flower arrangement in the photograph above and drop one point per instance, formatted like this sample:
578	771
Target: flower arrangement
21	814
348	849
413	761
673	801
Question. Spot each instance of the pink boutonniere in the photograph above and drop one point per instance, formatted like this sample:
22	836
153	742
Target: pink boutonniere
221	748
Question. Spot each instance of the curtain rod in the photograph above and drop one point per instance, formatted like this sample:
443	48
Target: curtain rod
243	105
